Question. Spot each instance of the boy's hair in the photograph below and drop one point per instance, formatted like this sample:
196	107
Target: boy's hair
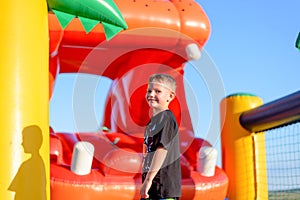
166	79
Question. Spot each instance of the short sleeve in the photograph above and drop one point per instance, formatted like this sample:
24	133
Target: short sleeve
169	130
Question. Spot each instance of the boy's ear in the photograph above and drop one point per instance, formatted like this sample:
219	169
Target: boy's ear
172	96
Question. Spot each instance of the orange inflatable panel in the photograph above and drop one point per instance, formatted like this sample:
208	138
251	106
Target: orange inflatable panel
164	25
116	170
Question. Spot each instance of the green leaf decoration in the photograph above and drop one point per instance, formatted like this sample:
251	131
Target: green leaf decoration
88	24
63	18
104	11
298	41
111	30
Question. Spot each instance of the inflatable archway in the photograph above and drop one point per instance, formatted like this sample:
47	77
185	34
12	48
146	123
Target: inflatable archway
141	38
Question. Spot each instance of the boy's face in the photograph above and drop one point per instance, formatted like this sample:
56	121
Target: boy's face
159	96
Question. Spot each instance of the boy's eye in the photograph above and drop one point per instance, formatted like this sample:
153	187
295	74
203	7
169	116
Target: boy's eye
156	91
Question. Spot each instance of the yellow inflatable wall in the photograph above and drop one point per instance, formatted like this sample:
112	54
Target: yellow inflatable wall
243	152
24	138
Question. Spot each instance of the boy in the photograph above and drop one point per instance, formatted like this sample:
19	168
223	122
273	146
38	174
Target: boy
161	178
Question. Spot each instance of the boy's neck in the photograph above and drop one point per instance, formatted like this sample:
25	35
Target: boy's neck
155	112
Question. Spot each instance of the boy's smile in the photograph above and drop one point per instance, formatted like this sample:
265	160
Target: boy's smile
158	97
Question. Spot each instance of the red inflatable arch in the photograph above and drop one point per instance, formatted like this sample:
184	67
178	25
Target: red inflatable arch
155	42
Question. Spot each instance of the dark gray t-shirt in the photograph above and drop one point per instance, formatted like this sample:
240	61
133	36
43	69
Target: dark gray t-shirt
162	131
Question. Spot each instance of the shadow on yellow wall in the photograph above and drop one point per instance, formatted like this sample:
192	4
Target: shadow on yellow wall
30	180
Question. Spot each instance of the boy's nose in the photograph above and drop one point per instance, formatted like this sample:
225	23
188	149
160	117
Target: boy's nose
152	93
149	93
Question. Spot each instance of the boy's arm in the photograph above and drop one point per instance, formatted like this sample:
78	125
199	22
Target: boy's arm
157	161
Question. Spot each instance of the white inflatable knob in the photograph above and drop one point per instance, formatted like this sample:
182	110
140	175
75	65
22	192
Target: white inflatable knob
207	161
82	158
193	51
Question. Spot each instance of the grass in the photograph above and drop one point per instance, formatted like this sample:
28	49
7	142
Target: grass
285	194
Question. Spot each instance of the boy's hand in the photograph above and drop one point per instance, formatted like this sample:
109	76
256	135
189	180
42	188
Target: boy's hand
157	161
144	189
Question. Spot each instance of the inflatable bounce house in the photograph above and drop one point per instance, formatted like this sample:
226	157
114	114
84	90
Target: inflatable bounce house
123	40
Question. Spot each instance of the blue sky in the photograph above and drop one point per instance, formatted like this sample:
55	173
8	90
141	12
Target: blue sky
251	48
253	45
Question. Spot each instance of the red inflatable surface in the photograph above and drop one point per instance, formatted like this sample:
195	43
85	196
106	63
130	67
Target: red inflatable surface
155	42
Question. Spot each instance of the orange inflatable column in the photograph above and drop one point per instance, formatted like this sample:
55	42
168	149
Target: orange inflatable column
243	152
24	123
